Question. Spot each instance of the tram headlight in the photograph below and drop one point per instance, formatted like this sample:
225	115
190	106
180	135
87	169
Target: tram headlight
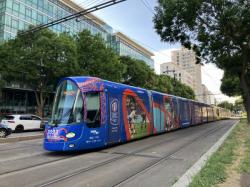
70	135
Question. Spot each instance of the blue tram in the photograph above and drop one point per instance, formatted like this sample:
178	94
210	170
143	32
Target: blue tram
89	113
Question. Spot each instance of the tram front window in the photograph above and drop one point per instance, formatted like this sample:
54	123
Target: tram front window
68	105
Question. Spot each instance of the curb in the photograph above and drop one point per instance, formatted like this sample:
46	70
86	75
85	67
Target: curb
18	139
187	177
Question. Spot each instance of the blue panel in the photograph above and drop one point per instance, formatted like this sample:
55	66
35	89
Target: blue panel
114	118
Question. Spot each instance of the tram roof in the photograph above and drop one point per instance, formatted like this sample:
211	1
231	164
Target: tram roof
81	80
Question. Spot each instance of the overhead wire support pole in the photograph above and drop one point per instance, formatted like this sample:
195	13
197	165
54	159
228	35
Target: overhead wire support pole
73	16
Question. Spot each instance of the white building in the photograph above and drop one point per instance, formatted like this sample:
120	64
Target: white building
186	59
173	70
185	69
207	96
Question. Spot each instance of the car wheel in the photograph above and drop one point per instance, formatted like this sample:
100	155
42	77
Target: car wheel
3	133
19	128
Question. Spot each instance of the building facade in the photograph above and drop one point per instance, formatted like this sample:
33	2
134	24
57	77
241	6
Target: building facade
186	59
174	70
18	15
207	96
125	46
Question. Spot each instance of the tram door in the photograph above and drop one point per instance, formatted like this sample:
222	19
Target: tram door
113	118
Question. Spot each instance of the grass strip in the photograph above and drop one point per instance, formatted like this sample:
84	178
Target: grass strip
245	163
214	171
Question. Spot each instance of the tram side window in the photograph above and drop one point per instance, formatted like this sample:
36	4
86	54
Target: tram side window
93	110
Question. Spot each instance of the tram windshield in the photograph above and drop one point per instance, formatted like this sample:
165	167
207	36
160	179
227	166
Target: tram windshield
68	105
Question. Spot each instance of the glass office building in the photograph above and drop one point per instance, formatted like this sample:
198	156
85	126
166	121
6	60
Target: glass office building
125	46
18	15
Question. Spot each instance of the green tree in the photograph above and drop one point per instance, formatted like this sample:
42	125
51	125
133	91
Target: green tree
226	105
218	31
239	105
7	56
163	83
137	72
42	58
230	84
183	90
96	59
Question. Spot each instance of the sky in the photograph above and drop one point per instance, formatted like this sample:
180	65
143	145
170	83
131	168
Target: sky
134	18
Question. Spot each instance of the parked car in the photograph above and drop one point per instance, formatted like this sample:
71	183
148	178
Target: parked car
19	123
4	131
43	123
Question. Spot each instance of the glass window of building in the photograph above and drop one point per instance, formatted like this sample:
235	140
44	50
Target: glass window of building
40	4
9	6
15	8
22	11
28	14
8	20
39	18
14	24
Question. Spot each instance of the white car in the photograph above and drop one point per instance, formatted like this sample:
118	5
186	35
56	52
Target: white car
19	123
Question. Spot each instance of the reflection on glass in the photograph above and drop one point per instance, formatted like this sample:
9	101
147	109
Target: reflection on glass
68	104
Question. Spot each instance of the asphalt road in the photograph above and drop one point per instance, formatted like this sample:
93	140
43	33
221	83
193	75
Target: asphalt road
26	133
154	161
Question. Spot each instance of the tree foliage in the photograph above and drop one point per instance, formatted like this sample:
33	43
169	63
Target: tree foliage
136	72
183	91
218	31
40	59
226	105
95	59
239	105
163	83
230	84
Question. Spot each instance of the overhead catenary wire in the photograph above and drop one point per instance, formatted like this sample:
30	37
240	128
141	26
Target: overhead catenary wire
73	16
146	4
209	94
149	8
92	3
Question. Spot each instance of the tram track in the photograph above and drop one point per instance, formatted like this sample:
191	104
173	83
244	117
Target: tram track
164	158
33	166
134	153
80	154
122	155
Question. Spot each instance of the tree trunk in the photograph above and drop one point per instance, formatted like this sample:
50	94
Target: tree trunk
245	88
248	108
40	100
